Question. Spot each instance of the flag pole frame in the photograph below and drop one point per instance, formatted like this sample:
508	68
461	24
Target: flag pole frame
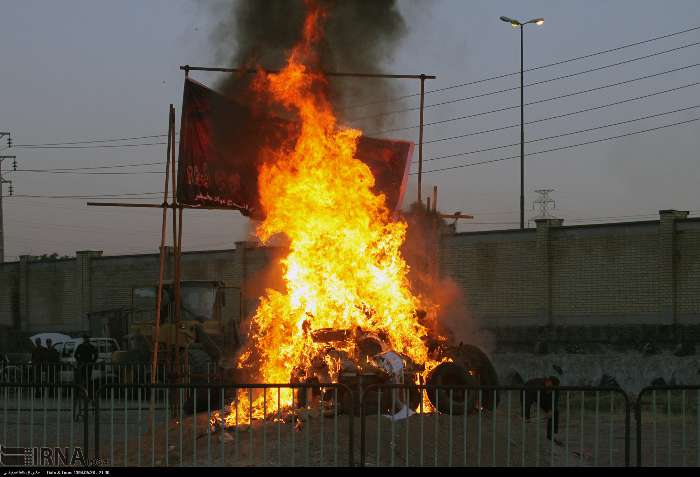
177	208
421	77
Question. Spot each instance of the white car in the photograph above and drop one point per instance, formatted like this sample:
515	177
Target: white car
102	370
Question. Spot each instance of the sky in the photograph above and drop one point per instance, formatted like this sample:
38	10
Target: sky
85	70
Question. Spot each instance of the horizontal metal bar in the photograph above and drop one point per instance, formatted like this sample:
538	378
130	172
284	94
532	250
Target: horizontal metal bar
159	206
188	68
670	387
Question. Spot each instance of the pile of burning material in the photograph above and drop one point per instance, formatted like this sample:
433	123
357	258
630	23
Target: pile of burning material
364	364
347	313
370	361
361	360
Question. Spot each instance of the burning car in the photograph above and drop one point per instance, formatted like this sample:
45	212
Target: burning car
363	359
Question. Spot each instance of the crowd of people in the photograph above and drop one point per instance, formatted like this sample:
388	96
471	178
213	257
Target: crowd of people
46	366
46	362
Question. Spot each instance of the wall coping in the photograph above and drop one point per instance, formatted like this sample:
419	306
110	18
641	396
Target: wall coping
471	233
497	231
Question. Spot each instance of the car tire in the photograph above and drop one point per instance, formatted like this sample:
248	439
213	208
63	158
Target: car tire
453	401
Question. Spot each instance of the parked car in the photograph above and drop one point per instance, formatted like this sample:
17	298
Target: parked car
9	372
105	347
103	370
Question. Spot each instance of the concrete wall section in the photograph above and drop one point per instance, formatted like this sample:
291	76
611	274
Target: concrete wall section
606	275
608	278
9	294
50	297
688	271
497	272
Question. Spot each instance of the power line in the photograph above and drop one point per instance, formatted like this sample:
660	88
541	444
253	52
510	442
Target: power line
574	93
517	88
561	62
112	166
558	116
560	148
73	170
88	173
94	141
29	146
71	227
82	144
619	123
93	196
458	85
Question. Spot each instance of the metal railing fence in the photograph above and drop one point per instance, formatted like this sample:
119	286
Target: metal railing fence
668	426
135	423
492	426
95	376
178	424
47	416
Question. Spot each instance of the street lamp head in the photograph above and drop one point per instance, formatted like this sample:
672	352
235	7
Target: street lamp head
537	21
513	23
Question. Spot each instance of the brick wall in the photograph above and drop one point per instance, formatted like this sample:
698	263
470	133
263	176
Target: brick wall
9	294
552	276
496	271
642	273
606	275
49	298
688	271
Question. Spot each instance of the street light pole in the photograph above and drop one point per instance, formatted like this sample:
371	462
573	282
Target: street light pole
522	135
521	25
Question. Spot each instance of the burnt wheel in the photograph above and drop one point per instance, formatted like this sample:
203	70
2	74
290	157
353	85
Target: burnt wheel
478	365
451	401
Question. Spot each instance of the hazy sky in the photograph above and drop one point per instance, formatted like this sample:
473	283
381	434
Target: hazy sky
92	70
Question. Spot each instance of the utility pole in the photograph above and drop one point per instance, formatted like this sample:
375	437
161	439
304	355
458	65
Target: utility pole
4	181
522	135
420	139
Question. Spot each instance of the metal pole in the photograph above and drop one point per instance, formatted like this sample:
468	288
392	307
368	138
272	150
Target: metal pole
420	137
2	220
176	250
522	135
157	206
188	68
2	223
434	198
159	299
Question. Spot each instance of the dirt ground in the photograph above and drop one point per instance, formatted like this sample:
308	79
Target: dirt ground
589	434
429	440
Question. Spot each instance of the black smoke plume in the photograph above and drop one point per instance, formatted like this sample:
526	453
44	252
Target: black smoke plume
360	36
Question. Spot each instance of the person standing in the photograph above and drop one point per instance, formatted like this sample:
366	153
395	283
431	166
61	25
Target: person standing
53	361
38	363
85	357
544	391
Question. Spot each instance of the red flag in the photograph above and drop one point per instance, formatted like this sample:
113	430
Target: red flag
220	143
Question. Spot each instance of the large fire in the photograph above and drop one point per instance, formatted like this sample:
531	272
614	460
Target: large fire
344	268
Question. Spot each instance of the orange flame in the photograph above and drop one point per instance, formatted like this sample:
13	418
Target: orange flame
344	268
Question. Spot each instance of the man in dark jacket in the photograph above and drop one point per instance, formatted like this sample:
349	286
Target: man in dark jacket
38	363
53	362
85	358
544	388
38	353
